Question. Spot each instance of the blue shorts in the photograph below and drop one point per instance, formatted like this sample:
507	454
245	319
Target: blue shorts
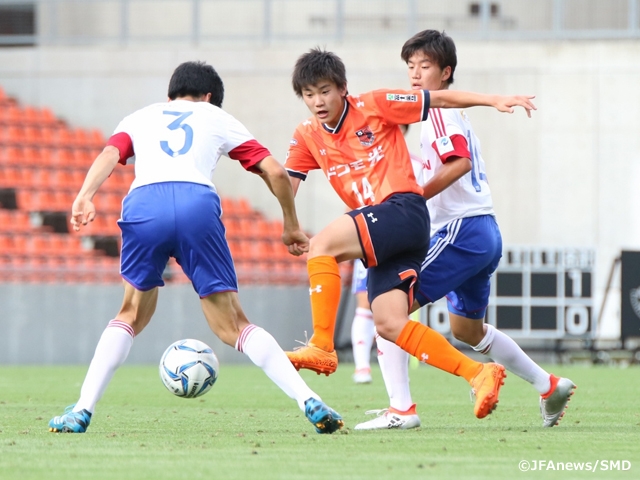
359	282
180	220
394	237
462	257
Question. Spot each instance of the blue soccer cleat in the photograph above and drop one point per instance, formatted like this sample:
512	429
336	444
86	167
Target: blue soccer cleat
323	417
71	422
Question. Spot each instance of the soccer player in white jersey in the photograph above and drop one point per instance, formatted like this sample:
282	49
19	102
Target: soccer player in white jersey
173	210
466	245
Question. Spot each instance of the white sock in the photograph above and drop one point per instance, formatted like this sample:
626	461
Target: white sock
264	351
505	351
394	365
111	352
362	333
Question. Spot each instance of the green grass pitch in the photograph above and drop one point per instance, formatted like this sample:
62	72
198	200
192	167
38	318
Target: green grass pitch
246	428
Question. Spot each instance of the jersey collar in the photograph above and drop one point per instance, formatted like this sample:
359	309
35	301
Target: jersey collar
340	122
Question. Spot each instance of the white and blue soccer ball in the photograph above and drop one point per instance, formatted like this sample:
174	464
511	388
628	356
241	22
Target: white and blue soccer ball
189	368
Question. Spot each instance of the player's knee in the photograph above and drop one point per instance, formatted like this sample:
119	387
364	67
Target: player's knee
389	329
467	335
316	248
134	318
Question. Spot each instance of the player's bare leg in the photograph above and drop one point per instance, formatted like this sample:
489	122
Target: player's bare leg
555	392
228	321
336	243
111	352
390	316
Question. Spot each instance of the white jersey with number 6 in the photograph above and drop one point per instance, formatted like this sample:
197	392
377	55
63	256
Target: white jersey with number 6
182	141
445	134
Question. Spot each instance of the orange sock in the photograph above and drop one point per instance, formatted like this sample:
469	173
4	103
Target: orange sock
324	278
430	347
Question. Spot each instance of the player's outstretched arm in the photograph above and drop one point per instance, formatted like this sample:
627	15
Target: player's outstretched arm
458	99
83	211
277	179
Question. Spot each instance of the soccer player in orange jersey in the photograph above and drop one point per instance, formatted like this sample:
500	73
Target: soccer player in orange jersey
357	143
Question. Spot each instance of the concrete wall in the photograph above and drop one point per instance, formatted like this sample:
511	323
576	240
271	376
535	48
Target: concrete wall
46	324
567	177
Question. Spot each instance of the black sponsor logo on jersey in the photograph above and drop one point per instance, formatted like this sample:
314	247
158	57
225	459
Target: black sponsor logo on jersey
399	97
366	136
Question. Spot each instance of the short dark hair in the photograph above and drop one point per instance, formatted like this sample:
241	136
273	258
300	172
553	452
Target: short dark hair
315	66
196	79
438	46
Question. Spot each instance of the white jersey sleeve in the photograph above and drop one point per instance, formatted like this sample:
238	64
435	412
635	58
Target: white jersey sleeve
447	134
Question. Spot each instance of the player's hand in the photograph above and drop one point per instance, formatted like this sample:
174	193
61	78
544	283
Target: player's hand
296	241
505	103
82	212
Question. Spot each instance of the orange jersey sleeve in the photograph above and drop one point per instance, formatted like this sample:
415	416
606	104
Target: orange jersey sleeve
300	160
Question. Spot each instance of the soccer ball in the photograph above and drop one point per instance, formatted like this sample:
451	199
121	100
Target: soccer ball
189	368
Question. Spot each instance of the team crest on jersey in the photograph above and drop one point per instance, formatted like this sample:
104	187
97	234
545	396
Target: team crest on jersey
398	97
366	136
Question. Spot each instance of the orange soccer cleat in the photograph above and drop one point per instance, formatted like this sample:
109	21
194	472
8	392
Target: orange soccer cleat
314	358
486	388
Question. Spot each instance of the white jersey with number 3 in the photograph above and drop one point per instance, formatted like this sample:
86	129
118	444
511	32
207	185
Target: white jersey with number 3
445	134
182	141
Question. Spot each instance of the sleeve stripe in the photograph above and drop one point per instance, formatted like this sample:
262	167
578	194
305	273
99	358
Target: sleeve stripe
442	124
294	173
426	103
438	124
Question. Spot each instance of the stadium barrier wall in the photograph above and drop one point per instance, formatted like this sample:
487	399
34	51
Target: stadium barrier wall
61	325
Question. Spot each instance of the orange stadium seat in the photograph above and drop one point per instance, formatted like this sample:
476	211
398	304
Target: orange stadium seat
96	139
263	229
11	114
20	222
246	227
6	244
47	136
10	135
30	178
81	158
232	227
31	136
228	207
19	244
30	156
16	268
10	177
31	116
64	138
9	156
47	117
244	208
39	245
27	199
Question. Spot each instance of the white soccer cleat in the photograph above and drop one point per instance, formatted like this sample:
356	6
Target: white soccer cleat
553	404
362	375
391	418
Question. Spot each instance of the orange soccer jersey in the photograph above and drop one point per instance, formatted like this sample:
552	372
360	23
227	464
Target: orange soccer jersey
365	157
